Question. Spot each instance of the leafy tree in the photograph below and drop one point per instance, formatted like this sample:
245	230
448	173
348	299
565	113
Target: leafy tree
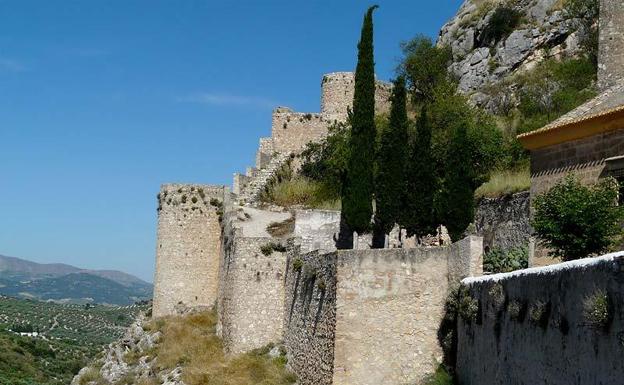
420	185
389	182
425	67
577	221
455	201
357	189
326	161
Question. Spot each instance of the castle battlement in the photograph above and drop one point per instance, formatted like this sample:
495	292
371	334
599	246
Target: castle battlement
275	276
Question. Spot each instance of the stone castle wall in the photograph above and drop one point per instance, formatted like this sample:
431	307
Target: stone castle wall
291	131
371	316
610	43
188	247
534	326
504	222
316	229
251	298
337	90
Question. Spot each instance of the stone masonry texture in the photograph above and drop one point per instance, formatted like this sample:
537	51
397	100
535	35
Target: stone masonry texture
251	301
610	43
371	316
536	326
504	222
584	158
188	247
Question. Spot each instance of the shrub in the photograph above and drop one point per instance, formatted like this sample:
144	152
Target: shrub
194	199
183	198
267	249
297	264
502	22
321	285
596	309
503	261
497	294
539	313
514	309
577	221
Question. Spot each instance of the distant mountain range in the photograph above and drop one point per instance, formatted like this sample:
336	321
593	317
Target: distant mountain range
69	284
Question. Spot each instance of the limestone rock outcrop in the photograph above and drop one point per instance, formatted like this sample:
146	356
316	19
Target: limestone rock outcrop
544	30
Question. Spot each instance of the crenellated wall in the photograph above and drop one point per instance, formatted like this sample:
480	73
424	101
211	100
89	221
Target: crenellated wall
371	316
291	131
188	247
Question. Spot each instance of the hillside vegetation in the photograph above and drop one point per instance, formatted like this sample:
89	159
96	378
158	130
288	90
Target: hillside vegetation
68	337
184	349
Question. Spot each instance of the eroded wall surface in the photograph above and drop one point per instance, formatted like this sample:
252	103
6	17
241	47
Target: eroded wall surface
535	327
504	222
188	247
251	297
373	314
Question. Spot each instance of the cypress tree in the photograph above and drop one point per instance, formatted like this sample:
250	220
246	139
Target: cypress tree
456	199
357	190
420	182
389	181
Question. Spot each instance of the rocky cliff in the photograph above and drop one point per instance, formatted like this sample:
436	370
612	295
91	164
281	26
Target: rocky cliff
492	40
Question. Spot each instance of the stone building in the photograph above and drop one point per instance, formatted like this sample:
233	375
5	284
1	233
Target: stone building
589	140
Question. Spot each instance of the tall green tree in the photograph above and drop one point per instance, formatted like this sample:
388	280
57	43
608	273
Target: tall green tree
357	189
391	157
455	200
420	187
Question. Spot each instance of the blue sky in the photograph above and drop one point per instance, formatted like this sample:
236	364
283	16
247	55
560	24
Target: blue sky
101	101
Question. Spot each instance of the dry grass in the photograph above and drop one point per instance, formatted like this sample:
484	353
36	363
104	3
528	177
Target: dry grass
190	342
301	192
92	375
281	229
503	183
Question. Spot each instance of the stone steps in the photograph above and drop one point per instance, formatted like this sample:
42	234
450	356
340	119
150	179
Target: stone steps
252	191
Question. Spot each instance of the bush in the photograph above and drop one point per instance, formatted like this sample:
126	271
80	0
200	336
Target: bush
596	309
539	313
577	221
504	261
502	22
297	264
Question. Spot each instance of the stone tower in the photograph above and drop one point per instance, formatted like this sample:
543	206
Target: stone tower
611	43
188	246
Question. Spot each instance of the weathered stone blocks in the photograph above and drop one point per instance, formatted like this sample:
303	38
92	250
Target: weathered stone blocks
371	316
188	247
